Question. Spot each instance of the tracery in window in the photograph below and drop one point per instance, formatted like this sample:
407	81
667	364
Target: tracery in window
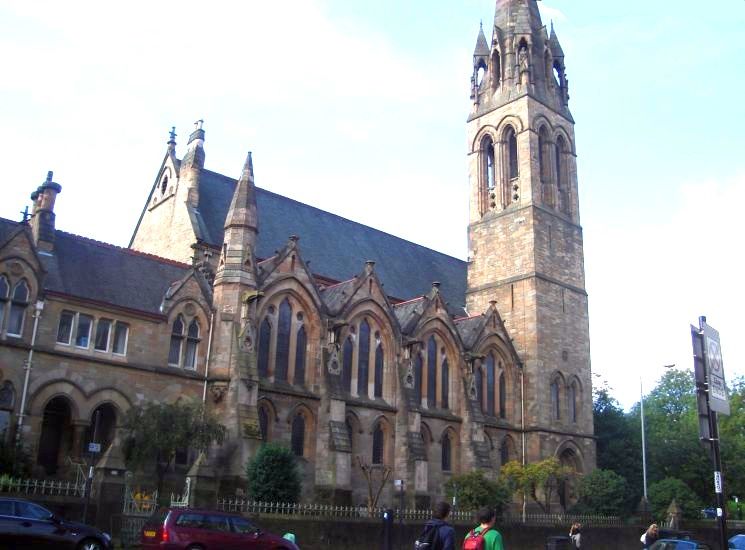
363	358
18	306
177	341
282	356
431	372
192	342
184	348
283	342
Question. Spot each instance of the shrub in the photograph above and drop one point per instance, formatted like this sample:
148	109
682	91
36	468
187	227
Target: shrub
273	475
663	492
473	490
602	492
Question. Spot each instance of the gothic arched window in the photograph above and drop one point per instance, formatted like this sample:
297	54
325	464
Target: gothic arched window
378	444
297	442
555	401
490	380
496	70
301	344
573	402
431	372
446	453
445	402
4	289
363	358
379	370
502	396
504	452
418	378
561	175
487	163
512	159
282	355
18	305
479	375
192	343
264	424
177	342
265	339
346	365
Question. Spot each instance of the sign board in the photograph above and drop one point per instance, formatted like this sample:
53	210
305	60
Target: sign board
398	484
94	447
718	400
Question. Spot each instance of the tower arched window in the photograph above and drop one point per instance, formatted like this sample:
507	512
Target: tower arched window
4	292
379	370
18	306
177	341
490	384
300	346
446	453
513	169
363	358
502	396
282	355
555	400
487	163
561	175
192	344
445	399
378	444
265	339
431	372
346	364
418	378
496	70
297	442
573	401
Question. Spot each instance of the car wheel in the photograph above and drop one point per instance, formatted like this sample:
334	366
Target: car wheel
90	544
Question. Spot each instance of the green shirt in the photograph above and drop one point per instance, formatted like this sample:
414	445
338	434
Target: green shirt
492	539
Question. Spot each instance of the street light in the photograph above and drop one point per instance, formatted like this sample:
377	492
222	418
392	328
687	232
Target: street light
644	446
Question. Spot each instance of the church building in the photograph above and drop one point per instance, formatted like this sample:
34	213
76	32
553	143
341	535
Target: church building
293	325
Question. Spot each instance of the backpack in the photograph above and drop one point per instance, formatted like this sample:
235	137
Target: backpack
475	541
427	539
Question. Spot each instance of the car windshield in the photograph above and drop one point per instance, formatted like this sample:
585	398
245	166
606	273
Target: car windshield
242	525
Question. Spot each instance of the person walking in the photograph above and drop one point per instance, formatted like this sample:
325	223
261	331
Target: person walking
484	536
650	536
438	534
575	535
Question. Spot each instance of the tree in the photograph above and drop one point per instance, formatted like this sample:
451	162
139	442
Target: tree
154	432
662	493
539	480
474	490
368	471
273	475
602	492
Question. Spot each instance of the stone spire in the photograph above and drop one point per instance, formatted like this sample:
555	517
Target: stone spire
518	16
193	164
241	228
482	48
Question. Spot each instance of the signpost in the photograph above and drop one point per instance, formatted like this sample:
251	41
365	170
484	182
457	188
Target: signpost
711	396
399	485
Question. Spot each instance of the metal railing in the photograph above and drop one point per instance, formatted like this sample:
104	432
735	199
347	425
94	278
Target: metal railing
353	512
45	487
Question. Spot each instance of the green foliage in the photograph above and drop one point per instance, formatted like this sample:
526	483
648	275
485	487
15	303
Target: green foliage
14	460
602	492
273	475
154	432
473	490
539	480
662	493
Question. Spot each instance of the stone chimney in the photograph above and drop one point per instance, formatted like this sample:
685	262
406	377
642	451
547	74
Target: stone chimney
42	219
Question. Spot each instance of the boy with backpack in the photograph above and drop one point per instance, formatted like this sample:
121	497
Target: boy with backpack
484	536
438	534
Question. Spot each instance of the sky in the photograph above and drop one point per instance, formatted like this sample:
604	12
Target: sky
359	108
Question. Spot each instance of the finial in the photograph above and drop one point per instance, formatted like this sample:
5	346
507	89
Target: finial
50	175
172	134
25	215
198	124
481	24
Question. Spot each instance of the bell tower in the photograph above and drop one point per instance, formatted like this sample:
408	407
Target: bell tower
525	241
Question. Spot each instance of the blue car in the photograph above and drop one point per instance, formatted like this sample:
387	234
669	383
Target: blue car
675	544
738	541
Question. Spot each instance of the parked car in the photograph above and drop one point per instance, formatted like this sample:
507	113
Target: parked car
738	541
677	544
188	529
24	524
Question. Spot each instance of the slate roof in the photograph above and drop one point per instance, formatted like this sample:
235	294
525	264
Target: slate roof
97	271
408	313
469	329
335	247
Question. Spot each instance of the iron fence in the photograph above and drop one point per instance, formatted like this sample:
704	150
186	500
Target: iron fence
41	487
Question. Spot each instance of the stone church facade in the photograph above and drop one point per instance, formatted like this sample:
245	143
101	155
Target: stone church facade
296	326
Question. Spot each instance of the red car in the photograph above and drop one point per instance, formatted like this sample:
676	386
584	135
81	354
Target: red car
191	529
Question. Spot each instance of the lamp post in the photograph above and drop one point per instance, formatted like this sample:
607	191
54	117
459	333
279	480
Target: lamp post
644	446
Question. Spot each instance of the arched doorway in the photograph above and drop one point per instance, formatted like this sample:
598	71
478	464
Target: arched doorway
567	489
56	434
101	430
